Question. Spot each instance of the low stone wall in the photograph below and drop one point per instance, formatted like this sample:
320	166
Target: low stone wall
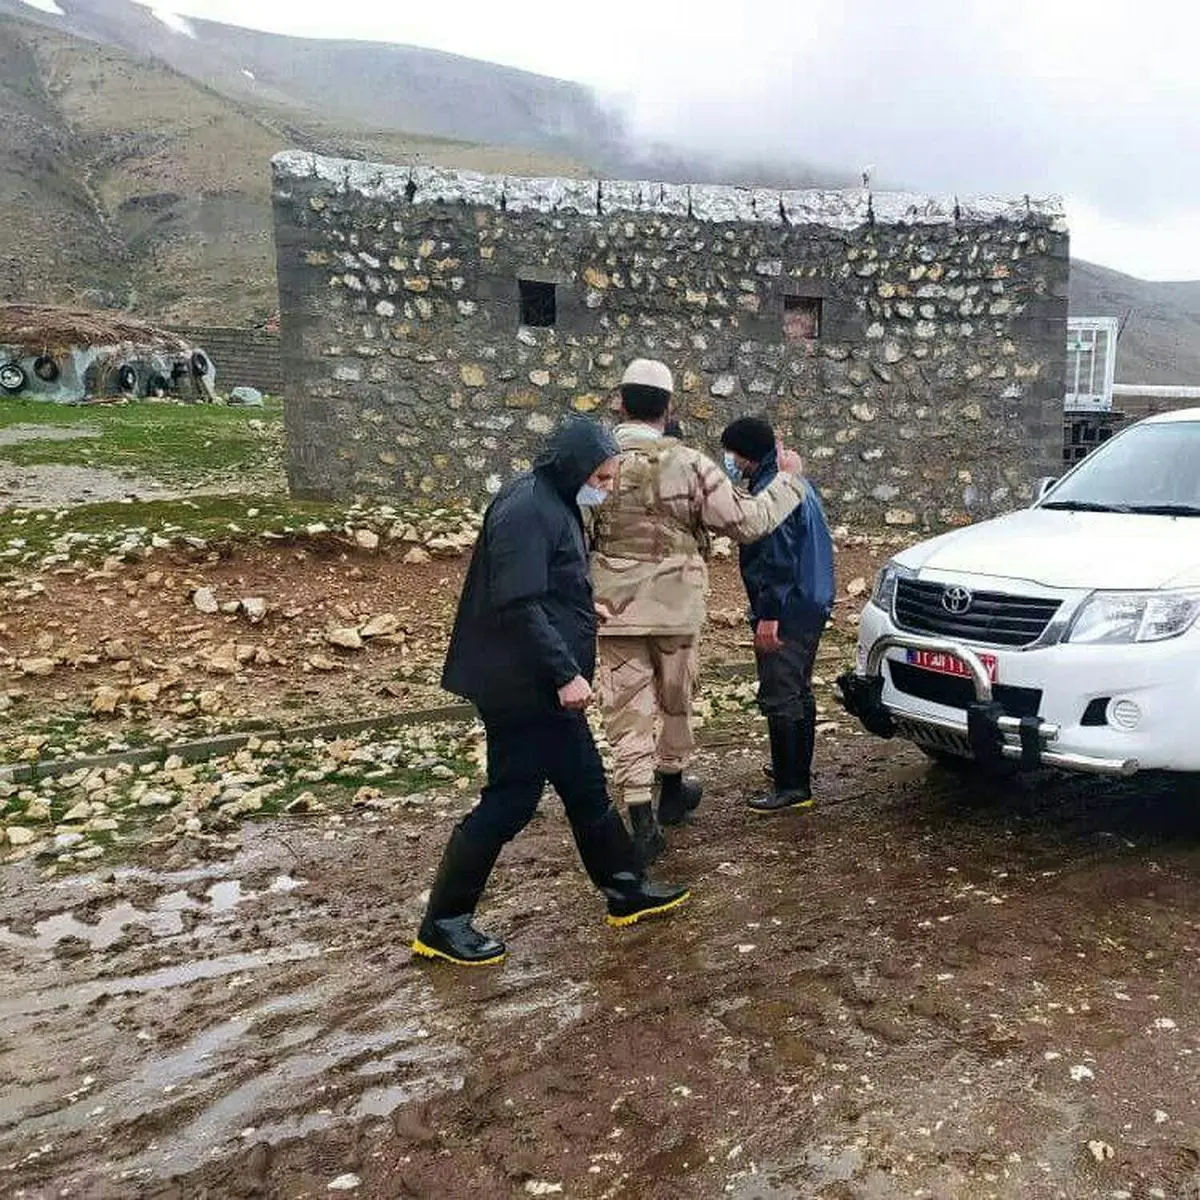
437	324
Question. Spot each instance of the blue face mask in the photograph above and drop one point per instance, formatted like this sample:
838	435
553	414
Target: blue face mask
589	496
732	469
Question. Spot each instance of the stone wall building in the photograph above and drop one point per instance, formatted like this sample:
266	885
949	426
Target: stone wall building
437	324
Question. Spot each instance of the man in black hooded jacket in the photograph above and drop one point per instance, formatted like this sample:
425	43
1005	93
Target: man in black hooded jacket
523	651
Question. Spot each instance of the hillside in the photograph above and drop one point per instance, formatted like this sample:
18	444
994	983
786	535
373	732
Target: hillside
355	83
126	183
134	161
1161	341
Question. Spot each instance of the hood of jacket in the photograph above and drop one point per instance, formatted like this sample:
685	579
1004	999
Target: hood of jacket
574	451
764	472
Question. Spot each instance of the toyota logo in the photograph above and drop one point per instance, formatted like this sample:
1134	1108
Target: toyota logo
957	600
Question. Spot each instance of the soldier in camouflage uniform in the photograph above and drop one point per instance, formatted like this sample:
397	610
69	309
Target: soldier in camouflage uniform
650	543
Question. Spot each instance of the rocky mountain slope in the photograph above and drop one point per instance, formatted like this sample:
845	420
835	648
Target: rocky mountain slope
134	156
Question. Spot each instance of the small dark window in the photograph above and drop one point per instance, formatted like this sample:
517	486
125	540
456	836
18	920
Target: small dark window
538	307
801	318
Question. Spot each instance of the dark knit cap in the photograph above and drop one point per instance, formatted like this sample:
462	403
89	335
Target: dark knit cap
750	437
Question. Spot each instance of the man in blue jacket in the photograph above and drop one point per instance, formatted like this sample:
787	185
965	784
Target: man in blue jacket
789	580
523	651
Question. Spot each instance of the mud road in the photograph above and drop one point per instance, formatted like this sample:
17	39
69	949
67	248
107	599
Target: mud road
923	988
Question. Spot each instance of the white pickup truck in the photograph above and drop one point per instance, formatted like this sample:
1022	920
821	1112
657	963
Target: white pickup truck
1064	635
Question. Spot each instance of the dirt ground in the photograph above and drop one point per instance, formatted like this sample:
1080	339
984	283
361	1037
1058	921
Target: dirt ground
919	989
925	987
137	624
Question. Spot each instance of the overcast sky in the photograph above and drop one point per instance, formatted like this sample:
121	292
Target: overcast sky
1097	101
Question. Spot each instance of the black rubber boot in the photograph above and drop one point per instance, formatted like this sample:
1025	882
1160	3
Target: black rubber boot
611	860
808	747
809	726
648	838
791	761
678	796
447	931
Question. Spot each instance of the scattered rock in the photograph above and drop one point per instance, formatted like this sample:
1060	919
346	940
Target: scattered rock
344	637
145	693
105	701
224	659
416	556
210	702
36	666
1101	1151
18	835
382	625
321	662
205	601
856	587
255	608
78	812
344	1183
246	397
366	539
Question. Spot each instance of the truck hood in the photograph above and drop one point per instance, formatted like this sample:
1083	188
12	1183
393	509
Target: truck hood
1070	550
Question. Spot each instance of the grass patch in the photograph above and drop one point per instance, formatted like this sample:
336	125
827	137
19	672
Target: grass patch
26	534
182	444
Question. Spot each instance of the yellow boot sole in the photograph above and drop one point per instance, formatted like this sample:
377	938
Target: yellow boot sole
625	922
770	812
420	949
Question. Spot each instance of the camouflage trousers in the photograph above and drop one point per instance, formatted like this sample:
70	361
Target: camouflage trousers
646	686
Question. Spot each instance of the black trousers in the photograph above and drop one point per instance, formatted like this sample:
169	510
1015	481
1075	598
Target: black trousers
522	757
785	680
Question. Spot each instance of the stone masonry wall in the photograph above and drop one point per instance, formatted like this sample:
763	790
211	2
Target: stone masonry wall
931	394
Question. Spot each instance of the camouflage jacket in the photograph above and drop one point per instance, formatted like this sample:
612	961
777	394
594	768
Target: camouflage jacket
650	540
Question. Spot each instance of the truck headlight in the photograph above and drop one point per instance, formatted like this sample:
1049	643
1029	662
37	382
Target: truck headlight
1116	618
883	595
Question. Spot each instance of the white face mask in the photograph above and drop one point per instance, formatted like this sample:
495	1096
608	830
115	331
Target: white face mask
589	496
732	469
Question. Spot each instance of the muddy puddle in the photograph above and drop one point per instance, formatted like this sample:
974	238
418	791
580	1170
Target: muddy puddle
156	1022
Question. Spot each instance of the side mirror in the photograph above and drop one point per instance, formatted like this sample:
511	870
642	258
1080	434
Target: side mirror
1043	486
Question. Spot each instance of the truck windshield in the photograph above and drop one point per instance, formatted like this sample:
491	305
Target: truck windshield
1151	469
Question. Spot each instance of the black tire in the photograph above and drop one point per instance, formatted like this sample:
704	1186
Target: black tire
200	363
45	368
127	380
13	378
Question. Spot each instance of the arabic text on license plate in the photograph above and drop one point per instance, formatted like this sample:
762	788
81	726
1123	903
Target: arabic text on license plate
947	664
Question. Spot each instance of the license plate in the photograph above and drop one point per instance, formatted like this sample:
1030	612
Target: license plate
947	664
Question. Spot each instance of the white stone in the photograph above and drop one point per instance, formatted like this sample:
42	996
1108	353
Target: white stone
205	600
723	386
344	1183
255	608
18	835
366	539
